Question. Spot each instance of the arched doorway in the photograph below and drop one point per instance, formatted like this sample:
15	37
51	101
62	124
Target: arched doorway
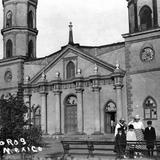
109	117
70	114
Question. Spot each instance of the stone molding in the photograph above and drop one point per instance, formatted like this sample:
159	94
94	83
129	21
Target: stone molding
16	29
76	83
144	71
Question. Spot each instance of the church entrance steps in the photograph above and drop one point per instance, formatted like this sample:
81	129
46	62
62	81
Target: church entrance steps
89	137
53	148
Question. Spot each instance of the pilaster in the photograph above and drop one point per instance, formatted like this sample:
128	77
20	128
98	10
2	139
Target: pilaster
80	109
27	98
96	92
57	93
118	84
43	93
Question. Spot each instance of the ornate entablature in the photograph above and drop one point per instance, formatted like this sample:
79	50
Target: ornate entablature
77	83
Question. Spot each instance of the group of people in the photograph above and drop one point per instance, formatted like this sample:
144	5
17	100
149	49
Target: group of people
133	134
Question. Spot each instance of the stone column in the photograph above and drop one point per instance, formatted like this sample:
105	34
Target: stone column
43	93
80	112
27	98
80	109
44	112
118	84
97	108
27	91
58	130
118	89
97	112
57	93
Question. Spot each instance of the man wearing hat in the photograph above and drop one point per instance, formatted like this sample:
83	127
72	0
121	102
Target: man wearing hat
150	137
121	124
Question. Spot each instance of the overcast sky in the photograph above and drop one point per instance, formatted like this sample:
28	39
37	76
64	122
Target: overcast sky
95	22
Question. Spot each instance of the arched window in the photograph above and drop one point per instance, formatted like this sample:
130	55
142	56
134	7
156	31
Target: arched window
71	100
9	49
150	108
37	117
70	70
30	49
9	19
145	18
30	19
110	106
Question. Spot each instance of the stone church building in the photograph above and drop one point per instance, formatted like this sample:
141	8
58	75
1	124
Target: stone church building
83	89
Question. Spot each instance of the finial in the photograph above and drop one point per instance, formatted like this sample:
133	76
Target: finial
117	65
70	34
79	71
70	26
43	76
57	74
27	79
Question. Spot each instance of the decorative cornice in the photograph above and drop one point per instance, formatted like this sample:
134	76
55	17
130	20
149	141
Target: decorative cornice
118	74
143	71
15	28
12	60
130	36
70	58
76	83
79	83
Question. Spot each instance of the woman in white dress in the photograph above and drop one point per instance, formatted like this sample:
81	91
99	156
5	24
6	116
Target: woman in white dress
139	129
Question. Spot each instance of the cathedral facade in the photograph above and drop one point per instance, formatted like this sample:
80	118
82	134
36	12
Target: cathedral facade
83	89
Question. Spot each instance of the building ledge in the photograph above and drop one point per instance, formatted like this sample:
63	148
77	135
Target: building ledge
141	35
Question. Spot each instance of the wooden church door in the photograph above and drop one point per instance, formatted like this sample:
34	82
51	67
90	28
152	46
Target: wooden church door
109	117
71	115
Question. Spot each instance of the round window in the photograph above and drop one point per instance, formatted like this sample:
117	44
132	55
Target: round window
147	54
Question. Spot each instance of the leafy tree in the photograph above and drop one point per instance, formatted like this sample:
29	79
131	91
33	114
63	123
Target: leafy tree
13	124
12	117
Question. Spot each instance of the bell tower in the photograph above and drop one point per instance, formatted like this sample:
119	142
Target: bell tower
142	56
143	15
19	28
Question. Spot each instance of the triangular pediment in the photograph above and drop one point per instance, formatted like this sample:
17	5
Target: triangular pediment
73	53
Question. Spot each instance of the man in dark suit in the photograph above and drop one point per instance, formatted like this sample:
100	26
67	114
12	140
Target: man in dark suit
150	137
